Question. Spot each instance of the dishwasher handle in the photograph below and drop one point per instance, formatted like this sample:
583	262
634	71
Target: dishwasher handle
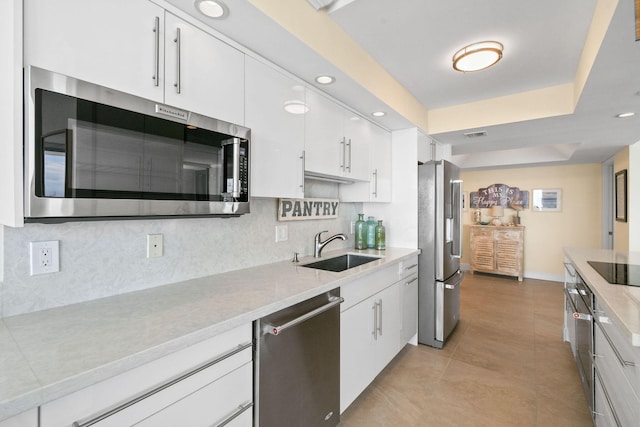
275	330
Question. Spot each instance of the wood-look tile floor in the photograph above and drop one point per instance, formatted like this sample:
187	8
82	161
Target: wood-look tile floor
504	365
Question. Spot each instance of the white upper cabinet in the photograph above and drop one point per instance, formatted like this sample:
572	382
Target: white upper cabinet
335	145
202	73
378	187
277	136
131	46
116	43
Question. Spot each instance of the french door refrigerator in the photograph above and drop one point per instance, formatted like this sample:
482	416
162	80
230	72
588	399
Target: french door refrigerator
440	242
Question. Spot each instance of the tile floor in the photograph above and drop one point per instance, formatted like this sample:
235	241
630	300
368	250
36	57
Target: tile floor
504	365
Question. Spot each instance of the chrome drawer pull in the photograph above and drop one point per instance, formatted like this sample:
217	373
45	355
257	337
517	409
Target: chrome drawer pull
411	266
236	414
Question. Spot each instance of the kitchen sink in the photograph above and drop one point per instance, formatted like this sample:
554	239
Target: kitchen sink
342	262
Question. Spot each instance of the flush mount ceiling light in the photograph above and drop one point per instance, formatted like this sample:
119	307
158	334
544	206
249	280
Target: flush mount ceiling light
625	115
212	8
325	80
477	56
295	107
378	114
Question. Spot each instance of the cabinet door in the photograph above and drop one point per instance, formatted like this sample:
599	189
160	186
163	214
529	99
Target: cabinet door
116	43
325	143
409	309
378	185
277	136
389	325
203	74
357	350
358	133
482	250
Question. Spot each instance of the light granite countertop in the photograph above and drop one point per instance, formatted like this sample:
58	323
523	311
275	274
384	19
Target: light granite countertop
622	303
48	354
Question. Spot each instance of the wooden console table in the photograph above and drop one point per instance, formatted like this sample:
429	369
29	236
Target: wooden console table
498	250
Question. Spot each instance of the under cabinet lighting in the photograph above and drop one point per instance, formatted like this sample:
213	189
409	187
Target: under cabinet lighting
212	8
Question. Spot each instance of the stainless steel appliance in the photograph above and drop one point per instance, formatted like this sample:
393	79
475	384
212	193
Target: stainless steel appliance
92	152
581	301
440	240
297	364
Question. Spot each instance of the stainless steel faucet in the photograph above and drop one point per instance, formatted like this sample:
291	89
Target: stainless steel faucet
319	245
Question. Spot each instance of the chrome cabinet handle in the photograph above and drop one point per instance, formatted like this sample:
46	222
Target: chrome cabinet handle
304	159
411	266
236	414
375	321
375	183
411	281
275	330
344	154
154	390
380	318
349	164
156	30
566	267
177	42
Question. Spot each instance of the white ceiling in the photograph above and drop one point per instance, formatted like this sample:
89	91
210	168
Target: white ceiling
415	39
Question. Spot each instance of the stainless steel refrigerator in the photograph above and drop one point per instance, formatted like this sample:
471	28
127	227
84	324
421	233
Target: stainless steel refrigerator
440	240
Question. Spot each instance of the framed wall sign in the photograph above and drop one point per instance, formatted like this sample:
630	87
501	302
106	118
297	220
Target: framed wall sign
547	200
621	196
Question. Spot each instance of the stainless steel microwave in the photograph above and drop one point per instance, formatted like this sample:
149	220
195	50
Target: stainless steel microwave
96	153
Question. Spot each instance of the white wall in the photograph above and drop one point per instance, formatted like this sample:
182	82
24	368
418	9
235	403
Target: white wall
633	182
400	217
99	259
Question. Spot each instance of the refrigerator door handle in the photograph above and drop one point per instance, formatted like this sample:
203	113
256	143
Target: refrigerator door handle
456	226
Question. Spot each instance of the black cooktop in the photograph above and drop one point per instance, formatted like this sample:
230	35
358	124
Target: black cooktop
618	274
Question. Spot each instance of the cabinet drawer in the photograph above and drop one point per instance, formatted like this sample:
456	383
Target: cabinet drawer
603	414
615	382
222	402
407	267
482	234
125	388
507	235
362	288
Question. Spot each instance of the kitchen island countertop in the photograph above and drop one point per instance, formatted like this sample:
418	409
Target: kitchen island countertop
622	303
48	354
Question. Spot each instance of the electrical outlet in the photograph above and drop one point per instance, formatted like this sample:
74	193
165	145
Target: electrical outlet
353	227
155	245
282	233
45	257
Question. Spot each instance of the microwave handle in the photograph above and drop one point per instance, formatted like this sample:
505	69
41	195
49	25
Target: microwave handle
236	168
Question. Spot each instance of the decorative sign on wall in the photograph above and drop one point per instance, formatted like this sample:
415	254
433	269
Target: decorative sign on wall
499	195
302	209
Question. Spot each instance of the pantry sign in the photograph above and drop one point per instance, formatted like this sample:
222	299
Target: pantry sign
303	209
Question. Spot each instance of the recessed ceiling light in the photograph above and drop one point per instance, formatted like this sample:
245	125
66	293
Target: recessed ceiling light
477	56
378	114
325	80
295	107
212	8
625	115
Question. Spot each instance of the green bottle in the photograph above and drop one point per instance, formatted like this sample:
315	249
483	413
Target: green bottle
361	233
381	238
371	233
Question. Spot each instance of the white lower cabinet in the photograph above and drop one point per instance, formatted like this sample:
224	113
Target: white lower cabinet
409	307
209	383
25	419
372	326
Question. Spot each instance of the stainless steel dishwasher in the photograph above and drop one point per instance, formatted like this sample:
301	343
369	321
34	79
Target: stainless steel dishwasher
297	364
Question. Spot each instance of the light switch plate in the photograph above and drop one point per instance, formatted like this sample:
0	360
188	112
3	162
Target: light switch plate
282	233
155	245
45	257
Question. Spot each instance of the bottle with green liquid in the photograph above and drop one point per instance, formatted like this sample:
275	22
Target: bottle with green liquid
361	233
381	238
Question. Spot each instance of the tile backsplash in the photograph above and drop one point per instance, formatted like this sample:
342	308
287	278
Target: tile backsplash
104	258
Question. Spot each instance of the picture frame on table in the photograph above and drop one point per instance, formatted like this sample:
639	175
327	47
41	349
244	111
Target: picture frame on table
546	200
621	196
